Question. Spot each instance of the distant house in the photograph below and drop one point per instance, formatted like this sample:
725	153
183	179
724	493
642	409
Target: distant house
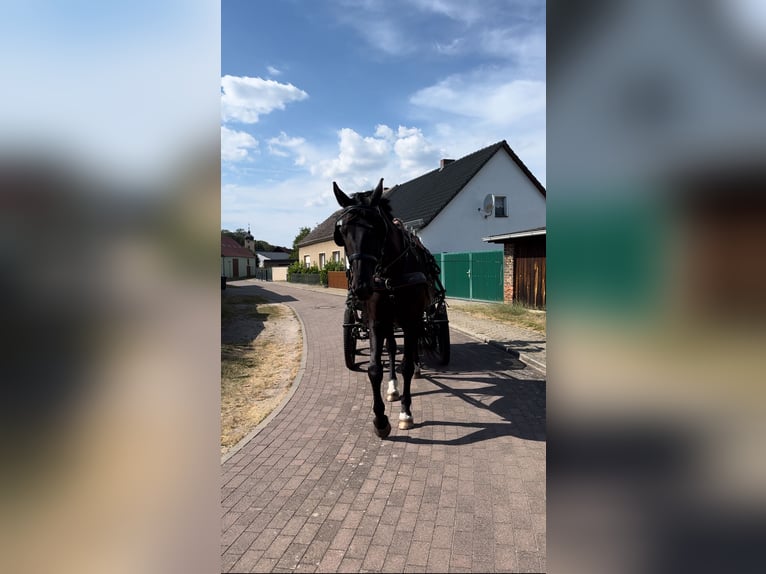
237	262
487	194
318	247
268	259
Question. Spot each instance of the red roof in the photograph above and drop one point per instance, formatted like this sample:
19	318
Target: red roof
230	248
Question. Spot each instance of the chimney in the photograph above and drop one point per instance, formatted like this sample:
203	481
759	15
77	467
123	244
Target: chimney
444	162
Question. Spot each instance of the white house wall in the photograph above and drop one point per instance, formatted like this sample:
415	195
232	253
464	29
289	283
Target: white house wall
228	266
460	226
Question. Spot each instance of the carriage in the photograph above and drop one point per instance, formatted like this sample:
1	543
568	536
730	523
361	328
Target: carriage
433	342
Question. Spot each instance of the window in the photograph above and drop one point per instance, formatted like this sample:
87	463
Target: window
500	206
336	255
307	261
321	260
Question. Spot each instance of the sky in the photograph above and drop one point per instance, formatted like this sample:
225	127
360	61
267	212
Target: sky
358	90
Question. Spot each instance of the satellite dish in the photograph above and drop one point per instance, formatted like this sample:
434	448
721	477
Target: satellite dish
488	206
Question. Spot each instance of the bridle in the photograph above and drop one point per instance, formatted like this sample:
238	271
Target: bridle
358	210
380	270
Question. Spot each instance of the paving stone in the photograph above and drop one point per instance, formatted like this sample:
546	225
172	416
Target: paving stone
315	490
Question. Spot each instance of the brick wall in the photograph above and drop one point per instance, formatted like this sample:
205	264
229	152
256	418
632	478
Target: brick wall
508	252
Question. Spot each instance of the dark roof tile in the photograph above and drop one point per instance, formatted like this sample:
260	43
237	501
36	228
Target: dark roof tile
321	232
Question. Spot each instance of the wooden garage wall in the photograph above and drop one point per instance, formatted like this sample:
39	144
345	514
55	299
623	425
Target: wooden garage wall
529	271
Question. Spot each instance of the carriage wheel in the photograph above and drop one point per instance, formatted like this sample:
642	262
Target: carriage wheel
435	338
441	339
349	340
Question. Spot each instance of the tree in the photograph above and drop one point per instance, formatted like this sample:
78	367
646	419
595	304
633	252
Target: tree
261	245
298	238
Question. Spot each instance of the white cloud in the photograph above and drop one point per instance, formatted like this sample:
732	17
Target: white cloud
504	29
458	10
377	25
283	146
235	144
489	97
273	71
361	161
514	43
416	154
385	132
244	98
356	154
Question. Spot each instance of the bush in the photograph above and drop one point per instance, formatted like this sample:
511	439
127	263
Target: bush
296	267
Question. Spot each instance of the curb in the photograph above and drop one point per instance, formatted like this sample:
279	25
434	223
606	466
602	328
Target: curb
293	387
523	357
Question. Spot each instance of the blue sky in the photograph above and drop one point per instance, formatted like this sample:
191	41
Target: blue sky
352	91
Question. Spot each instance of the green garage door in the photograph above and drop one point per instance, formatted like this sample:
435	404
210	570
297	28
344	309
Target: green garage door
456	275
476	275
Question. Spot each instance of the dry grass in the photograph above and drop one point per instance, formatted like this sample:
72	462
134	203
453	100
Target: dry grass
505	313
261	348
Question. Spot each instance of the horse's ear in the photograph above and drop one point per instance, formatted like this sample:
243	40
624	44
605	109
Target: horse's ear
377	194
343	199
337	236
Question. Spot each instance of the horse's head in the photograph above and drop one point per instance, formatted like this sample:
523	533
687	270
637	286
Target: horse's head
361	229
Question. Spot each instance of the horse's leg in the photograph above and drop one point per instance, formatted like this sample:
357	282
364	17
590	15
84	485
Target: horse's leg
406	420
375	374
392	394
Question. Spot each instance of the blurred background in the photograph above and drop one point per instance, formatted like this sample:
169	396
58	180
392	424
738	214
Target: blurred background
657	285
109	291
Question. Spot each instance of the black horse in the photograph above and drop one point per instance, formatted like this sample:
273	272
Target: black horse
389	276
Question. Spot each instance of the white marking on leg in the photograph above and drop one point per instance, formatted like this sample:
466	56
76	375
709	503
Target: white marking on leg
392	394
405	417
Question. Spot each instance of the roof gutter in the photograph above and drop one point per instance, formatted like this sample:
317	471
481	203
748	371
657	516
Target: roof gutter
500	238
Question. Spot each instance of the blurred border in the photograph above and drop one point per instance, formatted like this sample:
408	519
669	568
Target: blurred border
657	285
110	191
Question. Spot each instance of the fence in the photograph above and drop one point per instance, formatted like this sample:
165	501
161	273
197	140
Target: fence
264	274
305	278
337	279
529	273
472	275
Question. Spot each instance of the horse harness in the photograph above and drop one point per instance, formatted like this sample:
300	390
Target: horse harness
381	282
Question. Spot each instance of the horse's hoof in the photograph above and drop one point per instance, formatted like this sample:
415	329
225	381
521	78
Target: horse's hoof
406	422
417	375
384	432
392	397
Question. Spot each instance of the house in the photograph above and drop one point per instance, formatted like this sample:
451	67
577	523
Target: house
318	247
523	266
237	262
268	259
488	193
